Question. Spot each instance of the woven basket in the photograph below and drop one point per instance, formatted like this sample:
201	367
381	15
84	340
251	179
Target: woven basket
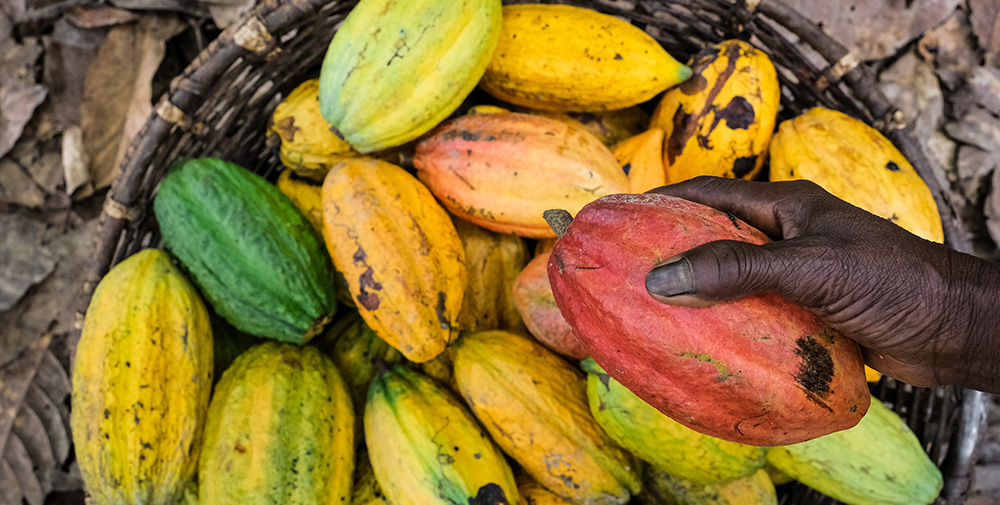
221	104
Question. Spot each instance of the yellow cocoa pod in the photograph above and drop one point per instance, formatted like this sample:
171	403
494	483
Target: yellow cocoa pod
720	120
661	488
855	163
535	405
872	375
308	146
280	430
533	493
493	262
394	70
367	491
641	157
486	109
142	375
399	251
567	58
610	126
426	449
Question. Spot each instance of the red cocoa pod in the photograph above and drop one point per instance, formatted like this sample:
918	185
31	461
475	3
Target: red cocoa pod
537	306
502	170
760	370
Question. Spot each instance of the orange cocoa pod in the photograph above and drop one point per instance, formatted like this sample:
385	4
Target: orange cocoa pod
503	170
641	157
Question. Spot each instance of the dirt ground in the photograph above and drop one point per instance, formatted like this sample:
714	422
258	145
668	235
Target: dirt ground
79	77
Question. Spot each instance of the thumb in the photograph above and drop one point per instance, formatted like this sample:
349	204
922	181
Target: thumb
726	270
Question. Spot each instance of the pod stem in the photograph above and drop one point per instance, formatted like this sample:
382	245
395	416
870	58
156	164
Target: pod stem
558	219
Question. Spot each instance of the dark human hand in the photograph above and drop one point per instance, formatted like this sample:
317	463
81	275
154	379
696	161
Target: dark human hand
922	312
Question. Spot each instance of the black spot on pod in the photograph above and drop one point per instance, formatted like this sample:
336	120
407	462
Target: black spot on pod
743	166
694	84
892	166
490	494
816	369
440	309
738	113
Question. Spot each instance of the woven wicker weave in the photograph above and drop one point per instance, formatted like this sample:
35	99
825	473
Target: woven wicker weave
220	106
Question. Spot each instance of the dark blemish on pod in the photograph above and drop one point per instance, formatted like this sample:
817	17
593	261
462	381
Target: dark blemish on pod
618	56
738	113
462	134
490	494
287	128
440	309
627	167
733	219
743	166
693	84
892	166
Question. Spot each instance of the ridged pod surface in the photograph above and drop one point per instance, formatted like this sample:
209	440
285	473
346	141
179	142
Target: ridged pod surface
280	430
856	163
396	69
568	58
492	261
400	253
533	493
307	144
641	157
142	375
759	371
720	120
878	462
534	299
535	406
254	255
501	171
661	488
661	441
426	449
609	126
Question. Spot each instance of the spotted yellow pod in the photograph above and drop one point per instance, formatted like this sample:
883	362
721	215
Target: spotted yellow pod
568	58
308	145
394	70
399	251
855	163
142	375
426	449
493	261
280	430
534	404
719	121
641	157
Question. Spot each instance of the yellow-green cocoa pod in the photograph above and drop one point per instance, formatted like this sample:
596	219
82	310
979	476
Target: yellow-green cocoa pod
661	441
142	376
856	163
661	488
426	449
394	70
877	462
280	430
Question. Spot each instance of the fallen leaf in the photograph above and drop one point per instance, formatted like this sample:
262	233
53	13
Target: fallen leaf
985	18
69	51
24	261
75	162
950	47
19	93
17	187
117	95
34	424
876	29
95	17
226	13
50	305
193	7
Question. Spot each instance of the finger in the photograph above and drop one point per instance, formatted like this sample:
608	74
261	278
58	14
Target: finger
764	205
728	270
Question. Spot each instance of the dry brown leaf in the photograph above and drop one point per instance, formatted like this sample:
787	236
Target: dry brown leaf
17	187
985	18
35	439
19	93
117	95
194	7
94	17
228	12
24	261
951	49
75	162
876	29
50	305
69	52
